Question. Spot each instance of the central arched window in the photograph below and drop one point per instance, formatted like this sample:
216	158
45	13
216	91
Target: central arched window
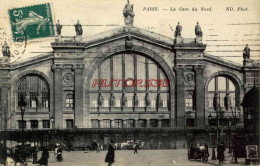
221	94
34	90
129	81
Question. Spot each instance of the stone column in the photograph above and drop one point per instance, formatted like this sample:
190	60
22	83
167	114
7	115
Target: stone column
40	124
147	123
159	123
27	124
136	123
180	97
200	96
100	123
78	90
124	123
58	108
112	123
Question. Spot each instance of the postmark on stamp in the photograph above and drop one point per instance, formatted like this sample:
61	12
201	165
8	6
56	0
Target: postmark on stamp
31	22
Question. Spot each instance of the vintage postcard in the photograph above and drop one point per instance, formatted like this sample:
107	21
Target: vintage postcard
129	82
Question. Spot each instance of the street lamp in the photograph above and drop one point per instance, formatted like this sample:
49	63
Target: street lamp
52	126
22	105
221	112
211	127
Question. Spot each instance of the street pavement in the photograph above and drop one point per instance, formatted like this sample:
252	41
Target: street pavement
128	158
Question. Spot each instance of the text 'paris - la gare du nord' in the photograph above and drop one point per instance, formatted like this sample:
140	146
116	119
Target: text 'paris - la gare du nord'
207	9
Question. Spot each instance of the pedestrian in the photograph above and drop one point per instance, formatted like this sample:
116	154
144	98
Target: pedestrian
56	150
221	149
59	154
44	158
110	154
3	154
98	147
136	148
17	157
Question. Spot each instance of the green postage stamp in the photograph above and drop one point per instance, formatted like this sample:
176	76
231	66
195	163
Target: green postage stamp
31	22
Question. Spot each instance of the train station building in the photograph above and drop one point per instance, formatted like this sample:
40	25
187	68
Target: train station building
126	85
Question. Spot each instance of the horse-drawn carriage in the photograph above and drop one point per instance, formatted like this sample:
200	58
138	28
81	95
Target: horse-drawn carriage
200	153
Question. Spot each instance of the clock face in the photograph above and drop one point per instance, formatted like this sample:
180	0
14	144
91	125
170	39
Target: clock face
129	82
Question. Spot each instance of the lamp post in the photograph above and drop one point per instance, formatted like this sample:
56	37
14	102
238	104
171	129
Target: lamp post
22	105
52	126
221	112
229	125
211	127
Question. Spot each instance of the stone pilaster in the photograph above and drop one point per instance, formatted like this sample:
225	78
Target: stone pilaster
200	96
4	107
180	97
58	108
79	116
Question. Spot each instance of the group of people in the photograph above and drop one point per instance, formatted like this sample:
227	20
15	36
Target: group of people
45	155
202	152
20	154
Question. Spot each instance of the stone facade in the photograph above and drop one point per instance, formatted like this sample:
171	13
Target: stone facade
69	72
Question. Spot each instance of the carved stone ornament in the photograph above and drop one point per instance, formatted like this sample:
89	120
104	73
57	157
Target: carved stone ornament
57	67
189	78
68	78
128	42
78	66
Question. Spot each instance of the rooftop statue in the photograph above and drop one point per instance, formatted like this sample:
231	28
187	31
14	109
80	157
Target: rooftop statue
178	30
78	28
198	31
246	52
58	27
6	50
128	13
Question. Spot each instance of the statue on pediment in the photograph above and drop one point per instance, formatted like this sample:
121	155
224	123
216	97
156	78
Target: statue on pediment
27	98
159	101
6	50
178	30
147	100
112	100
216	103
246	52
136	100
124	100
100	100
198	31
39	100
128	13
78	29
227	101
58	28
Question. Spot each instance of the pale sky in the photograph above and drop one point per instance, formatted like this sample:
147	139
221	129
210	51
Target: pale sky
225	32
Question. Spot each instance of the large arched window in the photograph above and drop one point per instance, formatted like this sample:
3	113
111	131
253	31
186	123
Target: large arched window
35	91
129	81
223	90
